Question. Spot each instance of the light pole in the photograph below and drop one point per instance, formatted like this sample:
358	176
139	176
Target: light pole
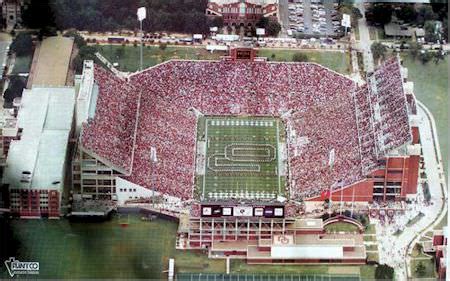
141	14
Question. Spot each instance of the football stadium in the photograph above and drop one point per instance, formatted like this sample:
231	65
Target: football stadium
234	149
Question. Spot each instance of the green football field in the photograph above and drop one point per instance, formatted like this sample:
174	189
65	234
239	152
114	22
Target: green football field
241	158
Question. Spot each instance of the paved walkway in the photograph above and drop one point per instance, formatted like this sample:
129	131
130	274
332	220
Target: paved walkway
395	250
364	39
436	180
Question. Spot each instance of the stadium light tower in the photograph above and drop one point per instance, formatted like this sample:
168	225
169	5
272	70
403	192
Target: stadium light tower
142	15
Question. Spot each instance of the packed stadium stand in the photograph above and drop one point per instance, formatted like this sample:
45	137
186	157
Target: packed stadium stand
322	110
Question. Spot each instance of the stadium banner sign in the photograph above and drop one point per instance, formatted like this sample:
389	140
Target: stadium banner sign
227	211
273	212
258	211
243	211
211	211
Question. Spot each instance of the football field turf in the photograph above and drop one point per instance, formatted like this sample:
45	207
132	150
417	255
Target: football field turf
240	158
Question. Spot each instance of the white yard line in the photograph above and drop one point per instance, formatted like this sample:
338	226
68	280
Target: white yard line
206	155
278	157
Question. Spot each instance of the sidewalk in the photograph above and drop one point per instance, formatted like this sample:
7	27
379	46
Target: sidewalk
395	250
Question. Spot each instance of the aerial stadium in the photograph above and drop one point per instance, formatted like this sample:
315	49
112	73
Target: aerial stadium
235	148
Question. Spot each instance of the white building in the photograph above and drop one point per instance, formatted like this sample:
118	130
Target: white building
36	163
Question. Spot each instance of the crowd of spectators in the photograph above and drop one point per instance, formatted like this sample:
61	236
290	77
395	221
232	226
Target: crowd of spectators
322	110
110	135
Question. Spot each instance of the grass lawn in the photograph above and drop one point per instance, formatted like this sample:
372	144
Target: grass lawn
128	56
22	64
370	229
356	30
337	61
372	257
369	238
104	250
442	223
431	88
372	247
429	268
376	33
367	272
341	226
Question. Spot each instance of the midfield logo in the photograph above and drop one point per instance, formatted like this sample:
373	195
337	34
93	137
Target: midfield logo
17	267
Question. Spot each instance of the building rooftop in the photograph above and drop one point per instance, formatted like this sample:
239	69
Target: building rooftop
37	159
51	62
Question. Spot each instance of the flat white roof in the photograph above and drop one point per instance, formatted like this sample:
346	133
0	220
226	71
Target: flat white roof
307	252
45	116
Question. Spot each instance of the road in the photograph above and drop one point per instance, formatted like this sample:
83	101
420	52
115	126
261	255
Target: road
364	39
283	7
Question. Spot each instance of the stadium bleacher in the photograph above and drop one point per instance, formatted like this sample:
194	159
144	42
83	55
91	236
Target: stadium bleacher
323	110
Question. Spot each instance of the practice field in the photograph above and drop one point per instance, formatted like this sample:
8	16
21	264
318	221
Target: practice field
240	158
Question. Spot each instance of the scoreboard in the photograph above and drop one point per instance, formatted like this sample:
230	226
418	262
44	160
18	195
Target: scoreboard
243	54
242	211
247	54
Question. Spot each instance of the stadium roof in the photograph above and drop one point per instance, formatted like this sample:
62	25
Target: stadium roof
323	110
45	116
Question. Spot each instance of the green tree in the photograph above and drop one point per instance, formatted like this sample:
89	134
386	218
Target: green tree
414	49
47	31
420	269
407	13
440	7
85	53
300	57
22	45
445	29
15	88
273	28
349	9
425	56
78	39
384	272
263	22
378	50
379	14
431	34
439	55
216	21
162	46
38	14
425	13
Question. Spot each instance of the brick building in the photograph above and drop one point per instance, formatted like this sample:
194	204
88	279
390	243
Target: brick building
241	12
36	162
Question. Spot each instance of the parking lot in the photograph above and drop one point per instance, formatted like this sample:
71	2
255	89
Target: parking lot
314	17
